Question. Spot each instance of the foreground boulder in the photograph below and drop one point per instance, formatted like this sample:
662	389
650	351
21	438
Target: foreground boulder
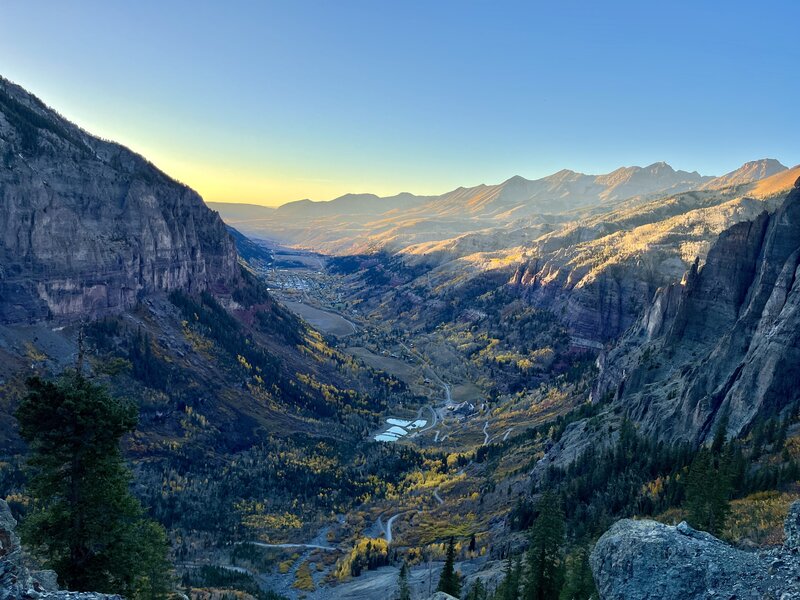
645	559
17	582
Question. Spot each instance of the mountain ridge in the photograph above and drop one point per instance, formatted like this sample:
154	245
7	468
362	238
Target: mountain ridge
89	226
358	223
730	330
389	202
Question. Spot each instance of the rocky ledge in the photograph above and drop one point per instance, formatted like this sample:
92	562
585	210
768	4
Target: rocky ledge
645	559
17	582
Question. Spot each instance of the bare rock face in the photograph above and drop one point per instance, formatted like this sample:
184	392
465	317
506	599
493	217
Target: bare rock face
723	344
87	226
599	272
649	560
19	583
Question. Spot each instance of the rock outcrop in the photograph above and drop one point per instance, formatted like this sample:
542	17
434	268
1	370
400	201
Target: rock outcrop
17	582
87	226
722	345
600	273
649	560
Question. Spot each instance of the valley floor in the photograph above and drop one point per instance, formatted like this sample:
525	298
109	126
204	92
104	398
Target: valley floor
452	415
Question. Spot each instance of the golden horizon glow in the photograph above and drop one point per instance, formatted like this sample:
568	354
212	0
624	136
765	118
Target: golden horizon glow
282	103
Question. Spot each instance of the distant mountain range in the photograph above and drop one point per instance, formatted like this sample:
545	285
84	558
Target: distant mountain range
359	222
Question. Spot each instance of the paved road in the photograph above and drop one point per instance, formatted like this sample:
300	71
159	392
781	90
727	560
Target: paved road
431	422
485	433
389	527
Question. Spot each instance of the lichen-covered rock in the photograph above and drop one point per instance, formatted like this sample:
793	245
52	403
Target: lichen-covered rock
17	582
441	596
648	560
88	227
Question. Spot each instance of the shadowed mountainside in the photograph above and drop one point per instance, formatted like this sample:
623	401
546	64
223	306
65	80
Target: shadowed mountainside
88	227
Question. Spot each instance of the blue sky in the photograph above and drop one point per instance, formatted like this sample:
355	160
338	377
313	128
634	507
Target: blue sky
270	102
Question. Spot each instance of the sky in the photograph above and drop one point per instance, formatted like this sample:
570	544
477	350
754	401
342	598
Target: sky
268	102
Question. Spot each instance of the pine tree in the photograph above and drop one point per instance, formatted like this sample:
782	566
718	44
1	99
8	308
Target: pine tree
503	590
403	588
545	561
516	579
85	523
708	489
721	434
449	581
579	584
477	591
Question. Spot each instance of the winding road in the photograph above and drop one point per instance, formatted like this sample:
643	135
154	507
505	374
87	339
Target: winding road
387	529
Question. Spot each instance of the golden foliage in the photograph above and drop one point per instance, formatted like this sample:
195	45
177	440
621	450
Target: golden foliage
361	552
302	579
758	518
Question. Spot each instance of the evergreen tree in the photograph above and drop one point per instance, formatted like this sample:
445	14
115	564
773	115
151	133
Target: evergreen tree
579	584
708	489
403	589
509	587
499	592
720	435
545	561
449	581
85	523
516	579
477	591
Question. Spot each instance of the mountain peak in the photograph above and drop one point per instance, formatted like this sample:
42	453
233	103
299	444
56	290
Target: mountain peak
765	162
657	168
515	180
751	171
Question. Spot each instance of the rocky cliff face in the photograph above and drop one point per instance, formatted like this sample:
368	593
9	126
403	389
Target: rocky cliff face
723	344
599	272
648	560
87	226
17	582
